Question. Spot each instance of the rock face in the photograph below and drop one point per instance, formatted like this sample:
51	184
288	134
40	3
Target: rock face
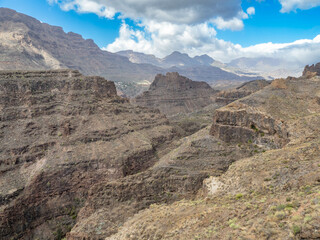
61	133
174	94
263	117
314	68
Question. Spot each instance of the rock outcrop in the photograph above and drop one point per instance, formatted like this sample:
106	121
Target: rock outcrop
264	117
242	91
61	133
174	94
314	68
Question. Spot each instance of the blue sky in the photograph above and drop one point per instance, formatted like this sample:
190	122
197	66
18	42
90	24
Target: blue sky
224	29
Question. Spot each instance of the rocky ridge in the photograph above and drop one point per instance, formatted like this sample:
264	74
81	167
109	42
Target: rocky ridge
28	44
174	94
314	68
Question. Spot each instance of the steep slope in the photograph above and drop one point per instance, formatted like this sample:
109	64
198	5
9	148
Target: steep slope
271	195
243	90
174	94
26	43
61	133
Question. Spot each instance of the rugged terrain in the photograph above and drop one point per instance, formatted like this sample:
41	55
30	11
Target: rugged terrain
243	90
273	194
174	94
77	159
80	162
61	133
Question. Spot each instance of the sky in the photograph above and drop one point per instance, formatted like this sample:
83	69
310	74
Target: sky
223	29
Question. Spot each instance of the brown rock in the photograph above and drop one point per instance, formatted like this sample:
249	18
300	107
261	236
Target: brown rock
61	133
174	94
314	68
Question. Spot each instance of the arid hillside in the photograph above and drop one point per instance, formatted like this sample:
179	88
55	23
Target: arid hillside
274	194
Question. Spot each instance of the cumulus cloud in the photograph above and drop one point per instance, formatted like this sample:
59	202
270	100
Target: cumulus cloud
177	11
251	11
292	5
189	26
163	38
201	39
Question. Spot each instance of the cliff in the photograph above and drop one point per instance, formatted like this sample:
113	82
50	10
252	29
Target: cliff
174	94
61	133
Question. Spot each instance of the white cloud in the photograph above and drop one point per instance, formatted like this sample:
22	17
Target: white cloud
188	26
251	11
201	39
234	24
86	6
163	38
300	52
292	5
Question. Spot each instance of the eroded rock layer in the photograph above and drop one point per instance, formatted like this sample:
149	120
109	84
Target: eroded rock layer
229	96
61	133
174	94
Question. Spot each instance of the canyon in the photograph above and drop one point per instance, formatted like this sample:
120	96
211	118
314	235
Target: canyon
81	162
181	160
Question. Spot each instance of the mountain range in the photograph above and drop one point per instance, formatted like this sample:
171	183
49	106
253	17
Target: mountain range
29	44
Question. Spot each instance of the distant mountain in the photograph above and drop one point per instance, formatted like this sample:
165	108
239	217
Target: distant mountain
26	43
175	59
205	60
267	67
136	57
199	68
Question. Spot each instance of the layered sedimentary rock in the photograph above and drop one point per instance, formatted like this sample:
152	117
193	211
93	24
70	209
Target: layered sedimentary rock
177	175
77	159
244	90
174	94
61	133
